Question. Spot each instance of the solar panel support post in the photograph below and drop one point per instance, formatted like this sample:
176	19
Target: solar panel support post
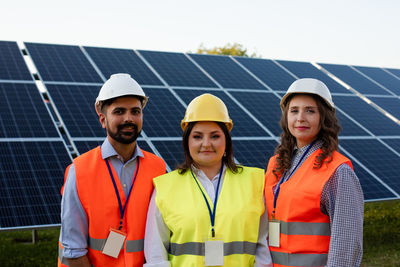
34	236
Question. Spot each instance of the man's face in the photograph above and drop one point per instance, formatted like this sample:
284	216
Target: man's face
123	119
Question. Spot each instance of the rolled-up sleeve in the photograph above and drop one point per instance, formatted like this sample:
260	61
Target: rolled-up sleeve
157	237
74	222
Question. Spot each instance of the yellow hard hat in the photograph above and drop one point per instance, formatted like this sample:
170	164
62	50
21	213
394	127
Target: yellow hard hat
206	107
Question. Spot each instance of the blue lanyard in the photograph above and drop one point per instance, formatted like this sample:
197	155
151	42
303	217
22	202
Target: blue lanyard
282	178
122	209
212	214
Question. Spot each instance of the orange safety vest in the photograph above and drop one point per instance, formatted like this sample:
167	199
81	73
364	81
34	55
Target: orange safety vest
98	197
304	229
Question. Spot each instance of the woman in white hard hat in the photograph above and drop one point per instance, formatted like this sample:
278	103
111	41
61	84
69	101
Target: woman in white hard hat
210	211
314	198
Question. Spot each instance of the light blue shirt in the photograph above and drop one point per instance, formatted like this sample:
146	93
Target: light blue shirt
74	220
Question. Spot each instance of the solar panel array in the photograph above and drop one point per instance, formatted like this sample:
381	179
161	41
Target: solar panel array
42	131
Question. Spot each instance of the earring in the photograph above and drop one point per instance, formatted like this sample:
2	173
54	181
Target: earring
225	154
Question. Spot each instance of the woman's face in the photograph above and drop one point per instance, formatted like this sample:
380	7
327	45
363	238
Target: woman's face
206	144
303	119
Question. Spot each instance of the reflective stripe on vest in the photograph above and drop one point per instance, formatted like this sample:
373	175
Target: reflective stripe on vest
61	259
303	228
92	193
131	245
288	259
197	248
240	206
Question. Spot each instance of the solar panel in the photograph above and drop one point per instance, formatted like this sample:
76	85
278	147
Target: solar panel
31	178
362	112
176	69
382	77
36	153
254	153
264	106
171	151
12	64
23	112
394	143
111	61
390	104
372	188
395	72
163	113
63	63
226	72
374	156
354	79
75	103
349	126
307	70
270	73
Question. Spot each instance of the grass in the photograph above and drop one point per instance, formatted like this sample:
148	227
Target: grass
16	248
381	241
382	234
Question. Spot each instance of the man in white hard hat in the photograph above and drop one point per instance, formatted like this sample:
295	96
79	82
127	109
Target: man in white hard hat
107	189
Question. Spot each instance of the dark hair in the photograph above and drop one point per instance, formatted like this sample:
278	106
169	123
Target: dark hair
227	159
104	104
328	134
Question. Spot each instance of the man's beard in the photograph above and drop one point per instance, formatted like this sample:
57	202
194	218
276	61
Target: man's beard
124	138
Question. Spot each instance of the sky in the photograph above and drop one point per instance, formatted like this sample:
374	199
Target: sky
354	32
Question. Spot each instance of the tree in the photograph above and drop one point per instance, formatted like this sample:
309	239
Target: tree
234	49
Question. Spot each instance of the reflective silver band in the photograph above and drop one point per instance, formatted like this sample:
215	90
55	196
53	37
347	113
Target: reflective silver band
131	245
299	259
305	228
197	248
134	245
61	256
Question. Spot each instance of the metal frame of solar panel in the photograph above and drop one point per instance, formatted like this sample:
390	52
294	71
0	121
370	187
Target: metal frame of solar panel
251	88
34	153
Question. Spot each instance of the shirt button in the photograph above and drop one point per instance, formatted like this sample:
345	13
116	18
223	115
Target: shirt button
124	185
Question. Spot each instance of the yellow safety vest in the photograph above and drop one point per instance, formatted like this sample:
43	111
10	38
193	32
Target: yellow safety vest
239	208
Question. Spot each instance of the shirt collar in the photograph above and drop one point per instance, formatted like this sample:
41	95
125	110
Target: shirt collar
316	145
200	174
107	151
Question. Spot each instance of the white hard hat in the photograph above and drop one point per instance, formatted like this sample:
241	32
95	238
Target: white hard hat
309	86
120	84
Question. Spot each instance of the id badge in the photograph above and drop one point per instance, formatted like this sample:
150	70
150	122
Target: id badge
114	243
214	252
274	230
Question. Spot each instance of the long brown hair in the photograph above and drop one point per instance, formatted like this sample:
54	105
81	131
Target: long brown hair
328	134
227	159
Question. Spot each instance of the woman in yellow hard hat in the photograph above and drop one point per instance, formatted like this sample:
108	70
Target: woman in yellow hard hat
314	198
210	211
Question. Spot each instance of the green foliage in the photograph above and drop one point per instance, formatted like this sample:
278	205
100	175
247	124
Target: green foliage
234	49
16	248
381	241
382	234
